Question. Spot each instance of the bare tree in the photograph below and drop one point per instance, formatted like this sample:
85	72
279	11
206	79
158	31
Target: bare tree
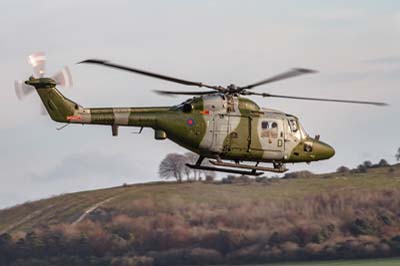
192	159
398	155
173	165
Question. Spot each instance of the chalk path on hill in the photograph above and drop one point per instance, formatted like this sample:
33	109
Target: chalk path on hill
92	209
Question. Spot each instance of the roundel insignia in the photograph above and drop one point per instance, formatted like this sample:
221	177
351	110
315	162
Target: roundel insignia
190	122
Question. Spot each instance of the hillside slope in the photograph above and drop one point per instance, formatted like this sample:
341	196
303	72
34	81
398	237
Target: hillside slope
346	215
68	208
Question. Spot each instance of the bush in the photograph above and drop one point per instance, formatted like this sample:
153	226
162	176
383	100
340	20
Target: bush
367	164
361	227
299	174
209	178
342	169
362	168
383	163
245	255
231	179
202	256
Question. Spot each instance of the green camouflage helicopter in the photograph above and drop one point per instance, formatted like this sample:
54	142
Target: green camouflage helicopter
217	123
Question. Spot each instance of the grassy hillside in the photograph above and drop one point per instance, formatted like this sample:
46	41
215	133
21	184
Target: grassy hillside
346	215
69	207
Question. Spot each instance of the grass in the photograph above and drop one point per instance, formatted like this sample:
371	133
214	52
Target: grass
371	262
328	216
67	208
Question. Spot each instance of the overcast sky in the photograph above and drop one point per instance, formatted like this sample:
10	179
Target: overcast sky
354	45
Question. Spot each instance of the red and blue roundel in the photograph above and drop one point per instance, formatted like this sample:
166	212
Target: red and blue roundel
190	122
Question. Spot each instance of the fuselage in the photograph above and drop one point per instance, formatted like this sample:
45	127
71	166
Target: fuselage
216	126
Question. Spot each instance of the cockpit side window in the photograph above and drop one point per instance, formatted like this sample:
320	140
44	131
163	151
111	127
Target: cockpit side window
293	125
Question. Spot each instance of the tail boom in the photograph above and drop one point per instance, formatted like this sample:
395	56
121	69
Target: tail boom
64	110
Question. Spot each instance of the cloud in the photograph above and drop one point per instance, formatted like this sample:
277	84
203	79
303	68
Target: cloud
91	165
396	19
389	60
335	15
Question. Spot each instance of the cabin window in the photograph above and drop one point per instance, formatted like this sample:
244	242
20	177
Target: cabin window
269	129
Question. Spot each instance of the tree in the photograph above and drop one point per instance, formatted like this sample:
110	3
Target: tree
192	159
398	155
383	163
367	164
361	168
173	165
343	169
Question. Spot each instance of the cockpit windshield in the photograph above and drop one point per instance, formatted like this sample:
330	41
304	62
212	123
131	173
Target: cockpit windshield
303	132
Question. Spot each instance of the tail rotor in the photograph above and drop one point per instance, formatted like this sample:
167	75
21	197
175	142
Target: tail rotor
63	78
37	60
22	90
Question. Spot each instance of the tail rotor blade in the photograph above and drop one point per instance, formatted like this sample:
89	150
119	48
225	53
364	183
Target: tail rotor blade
22	90
38	62
63	78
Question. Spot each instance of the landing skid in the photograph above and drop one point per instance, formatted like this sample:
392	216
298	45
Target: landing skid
254	168
226	170
278	168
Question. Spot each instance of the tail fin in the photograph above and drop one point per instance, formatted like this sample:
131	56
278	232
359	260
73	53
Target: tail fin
60	108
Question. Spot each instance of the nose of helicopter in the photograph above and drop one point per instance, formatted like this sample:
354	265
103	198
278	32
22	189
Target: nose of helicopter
323	151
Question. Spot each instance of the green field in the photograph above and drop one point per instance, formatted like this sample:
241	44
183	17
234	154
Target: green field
374	262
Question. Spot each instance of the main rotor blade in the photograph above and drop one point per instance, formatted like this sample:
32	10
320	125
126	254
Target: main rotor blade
184	92
315	99
288	74
147	73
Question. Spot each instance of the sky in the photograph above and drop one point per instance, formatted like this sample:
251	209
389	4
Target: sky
354	44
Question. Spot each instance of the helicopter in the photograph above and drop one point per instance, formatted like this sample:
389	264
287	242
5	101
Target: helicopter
219	123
